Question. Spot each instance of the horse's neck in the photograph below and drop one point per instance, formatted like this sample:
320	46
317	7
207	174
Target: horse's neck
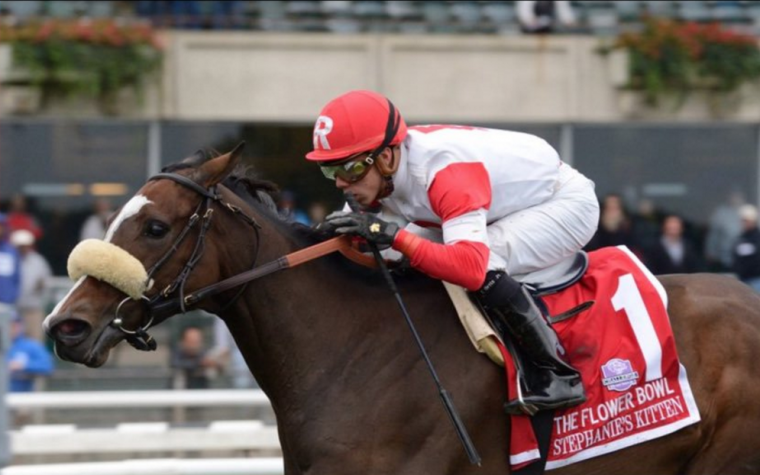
329	348
291	324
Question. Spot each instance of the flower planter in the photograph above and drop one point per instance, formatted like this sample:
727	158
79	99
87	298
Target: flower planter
6	60
704	103
20	100
617	67
671	59
10	72
81	66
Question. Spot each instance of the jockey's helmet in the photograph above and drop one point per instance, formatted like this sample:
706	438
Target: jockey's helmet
357	121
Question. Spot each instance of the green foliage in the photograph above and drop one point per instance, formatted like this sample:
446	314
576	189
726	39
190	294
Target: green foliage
84	57
674	58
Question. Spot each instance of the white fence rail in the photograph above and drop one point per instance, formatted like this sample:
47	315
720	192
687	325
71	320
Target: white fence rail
251	437
220	437
163	398
258	466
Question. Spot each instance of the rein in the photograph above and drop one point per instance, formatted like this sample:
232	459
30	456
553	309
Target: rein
341	244
163	304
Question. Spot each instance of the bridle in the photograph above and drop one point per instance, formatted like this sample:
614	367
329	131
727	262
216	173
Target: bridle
172	297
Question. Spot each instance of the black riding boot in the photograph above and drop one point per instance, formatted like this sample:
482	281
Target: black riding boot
511	306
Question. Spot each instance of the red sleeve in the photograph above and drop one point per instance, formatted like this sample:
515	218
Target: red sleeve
458	189
463	263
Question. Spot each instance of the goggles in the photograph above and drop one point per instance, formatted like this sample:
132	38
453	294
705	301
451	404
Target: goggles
349	170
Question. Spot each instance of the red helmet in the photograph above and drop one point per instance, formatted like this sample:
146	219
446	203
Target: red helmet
355	122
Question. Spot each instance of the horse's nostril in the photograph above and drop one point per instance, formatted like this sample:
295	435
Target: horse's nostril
70	332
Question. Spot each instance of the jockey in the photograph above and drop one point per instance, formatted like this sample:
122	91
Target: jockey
504	201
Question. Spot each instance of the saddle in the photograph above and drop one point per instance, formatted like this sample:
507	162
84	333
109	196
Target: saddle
541	282
556	277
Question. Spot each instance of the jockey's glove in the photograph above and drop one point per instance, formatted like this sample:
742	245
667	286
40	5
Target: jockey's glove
366	225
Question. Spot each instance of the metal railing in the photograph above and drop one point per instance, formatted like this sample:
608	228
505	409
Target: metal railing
258	466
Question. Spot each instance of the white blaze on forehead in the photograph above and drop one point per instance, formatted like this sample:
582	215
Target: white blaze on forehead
130	209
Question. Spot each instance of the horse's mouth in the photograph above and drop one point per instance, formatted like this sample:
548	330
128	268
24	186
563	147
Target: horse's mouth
92	351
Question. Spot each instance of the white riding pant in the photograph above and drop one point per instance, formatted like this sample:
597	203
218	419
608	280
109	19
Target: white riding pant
543	235
540	236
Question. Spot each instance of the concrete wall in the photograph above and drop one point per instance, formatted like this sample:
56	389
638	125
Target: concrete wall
252	76
287	77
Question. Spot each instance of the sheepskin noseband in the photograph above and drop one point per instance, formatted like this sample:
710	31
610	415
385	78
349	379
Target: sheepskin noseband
109	263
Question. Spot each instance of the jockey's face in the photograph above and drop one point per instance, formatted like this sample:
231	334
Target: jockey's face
365	190
368	188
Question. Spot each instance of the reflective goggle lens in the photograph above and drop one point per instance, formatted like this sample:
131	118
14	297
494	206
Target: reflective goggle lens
349	171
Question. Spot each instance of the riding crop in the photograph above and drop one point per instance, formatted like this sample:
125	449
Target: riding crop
448	403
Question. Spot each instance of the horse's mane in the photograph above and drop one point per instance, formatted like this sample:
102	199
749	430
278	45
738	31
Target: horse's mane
258	193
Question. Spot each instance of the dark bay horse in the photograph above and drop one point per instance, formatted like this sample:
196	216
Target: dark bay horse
329	347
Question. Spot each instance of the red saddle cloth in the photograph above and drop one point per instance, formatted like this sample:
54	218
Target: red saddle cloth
624	348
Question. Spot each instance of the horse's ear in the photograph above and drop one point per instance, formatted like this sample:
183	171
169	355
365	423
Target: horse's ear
197	158
215	170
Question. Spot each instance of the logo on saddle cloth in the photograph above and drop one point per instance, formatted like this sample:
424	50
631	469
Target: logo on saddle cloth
618	375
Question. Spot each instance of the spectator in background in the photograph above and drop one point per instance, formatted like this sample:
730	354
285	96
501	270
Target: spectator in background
20	218
175	13
94	226
35	280
614	225
724	228
318	211
746	254
290	210
674	253
10	266
191	360
28	359
228	356
219	14
227	14
544	16
645	227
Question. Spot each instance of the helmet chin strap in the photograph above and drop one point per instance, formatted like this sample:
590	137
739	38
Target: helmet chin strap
387	171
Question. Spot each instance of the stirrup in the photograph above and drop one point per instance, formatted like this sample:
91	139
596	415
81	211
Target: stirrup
522	405
519	407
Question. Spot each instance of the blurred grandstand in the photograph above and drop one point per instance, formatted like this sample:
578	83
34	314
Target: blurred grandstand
341	16
260	70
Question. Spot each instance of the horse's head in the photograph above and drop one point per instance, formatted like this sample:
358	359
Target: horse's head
157	248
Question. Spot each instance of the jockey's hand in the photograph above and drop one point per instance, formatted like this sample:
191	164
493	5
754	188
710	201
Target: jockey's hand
366	225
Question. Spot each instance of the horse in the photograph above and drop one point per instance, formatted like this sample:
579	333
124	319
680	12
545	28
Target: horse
326	342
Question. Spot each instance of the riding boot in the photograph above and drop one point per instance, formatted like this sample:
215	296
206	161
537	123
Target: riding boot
512	307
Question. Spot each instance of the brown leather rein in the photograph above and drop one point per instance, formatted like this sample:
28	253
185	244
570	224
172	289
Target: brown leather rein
342	244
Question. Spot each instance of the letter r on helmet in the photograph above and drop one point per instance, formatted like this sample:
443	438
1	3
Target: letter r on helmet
323	127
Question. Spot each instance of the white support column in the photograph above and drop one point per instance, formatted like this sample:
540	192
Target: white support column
154	147
757	161
566	143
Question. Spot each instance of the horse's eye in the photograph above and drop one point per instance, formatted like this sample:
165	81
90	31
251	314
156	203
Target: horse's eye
156	229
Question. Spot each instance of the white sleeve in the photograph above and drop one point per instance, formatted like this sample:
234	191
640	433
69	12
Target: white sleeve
466	227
